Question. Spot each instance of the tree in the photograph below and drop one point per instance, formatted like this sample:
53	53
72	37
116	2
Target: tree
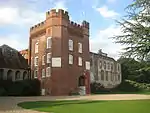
136	30
135	70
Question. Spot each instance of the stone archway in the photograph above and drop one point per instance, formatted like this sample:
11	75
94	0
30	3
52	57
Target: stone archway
9	75
17	75
25	75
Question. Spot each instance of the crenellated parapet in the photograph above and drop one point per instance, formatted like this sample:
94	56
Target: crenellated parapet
60	13
85	24
37	26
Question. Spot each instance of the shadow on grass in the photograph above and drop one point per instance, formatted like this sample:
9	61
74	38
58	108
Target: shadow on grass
40	104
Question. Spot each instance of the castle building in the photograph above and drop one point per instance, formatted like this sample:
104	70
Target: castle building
105	70
13	66
59	54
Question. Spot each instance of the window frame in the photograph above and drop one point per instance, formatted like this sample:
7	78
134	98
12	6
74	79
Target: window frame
35	61
43	60
43	70
70	59
70	44
80	47
48	58
36	47
35	72
48	43
48	74
80	61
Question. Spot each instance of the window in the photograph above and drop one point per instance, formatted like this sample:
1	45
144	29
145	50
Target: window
106	75
111	67
36	47
36	61
102	75
43	60
70	59
35	74
48	57
70	45
79	61
80	47
43	73
100	64
108	66
48	71
49	42
104	65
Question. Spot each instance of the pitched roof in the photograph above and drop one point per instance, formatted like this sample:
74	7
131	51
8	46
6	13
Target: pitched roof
11	58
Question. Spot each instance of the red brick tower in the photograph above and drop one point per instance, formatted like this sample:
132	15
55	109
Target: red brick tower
60	48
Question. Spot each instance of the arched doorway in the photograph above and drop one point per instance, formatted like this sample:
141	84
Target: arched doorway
9	75
1	74
25	75
81	81
17	75
81	84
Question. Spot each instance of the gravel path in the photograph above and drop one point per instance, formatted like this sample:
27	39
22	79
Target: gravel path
9	104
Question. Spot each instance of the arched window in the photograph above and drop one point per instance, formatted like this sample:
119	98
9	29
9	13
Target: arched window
25	75
49	42
17	75
9	75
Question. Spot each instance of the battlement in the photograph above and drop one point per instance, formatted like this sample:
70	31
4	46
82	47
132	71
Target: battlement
74	24
84	24
59	13
37	26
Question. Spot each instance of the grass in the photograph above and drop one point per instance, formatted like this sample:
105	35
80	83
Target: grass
83	106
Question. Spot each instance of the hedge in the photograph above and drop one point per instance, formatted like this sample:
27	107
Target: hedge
126	86
20	88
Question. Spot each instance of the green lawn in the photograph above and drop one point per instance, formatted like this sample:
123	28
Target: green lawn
134	106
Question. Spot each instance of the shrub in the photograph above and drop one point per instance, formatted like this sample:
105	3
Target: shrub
21	88
125	86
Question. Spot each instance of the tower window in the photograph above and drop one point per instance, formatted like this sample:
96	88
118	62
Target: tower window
70	45
36	47
49	42
79	61
80	47
48	57
70	59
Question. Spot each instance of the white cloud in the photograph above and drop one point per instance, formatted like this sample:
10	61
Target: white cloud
106	13
103	41
15	16
13	41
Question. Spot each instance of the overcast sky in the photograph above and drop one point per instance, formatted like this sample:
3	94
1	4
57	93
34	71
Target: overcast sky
17	16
